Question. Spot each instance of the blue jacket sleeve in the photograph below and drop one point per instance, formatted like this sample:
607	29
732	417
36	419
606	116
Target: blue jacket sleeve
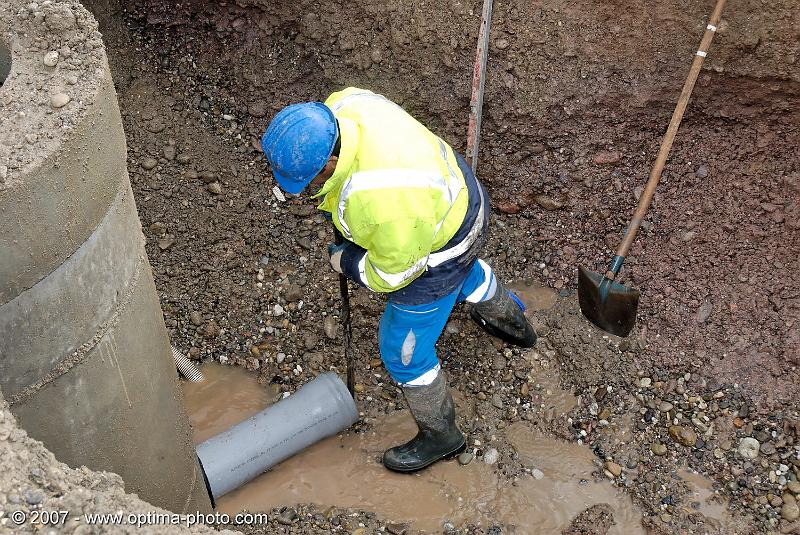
352	263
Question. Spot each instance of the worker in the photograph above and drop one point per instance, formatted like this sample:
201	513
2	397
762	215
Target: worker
414	219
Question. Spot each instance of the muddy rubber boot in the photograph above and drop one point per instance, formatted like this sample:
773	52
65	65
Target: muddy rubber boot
503	316
438	438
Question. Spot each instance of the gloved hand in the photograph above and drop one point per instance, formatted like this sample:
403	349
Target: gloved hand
335	256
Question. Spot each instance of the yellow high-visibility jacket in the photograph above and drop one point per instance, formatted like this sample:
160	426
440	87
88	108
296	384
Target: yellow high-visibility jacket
397	192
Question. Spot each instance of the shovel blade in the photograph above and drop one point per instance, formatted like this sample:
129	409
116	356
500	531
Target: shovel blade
616	313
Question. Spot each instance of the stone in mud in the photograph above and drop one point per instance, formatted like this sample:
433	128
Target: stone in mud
51	59
149	163
613	468
508	207
465	458
658	449
257	108
397	529
704	312
491	456
497	401
548	203
749	448
59	100
214	188
330	325
596	520
790	511
606	157
683	435
196	318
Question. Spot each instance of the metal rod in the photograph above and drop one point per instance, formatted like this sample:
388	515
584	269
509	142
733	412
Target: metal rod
672	130
344	290
478	82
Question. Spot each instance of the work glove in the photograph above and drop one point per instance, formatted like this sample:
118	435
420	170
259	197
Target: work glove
335	256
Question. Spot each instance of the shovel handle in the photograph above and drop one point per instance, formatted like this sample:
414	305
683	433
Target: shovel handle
669	137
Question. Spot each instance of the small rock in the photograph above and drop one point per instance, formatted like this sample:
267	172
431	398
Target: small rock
790	511
149	163
645	382
537	474
166	242
508	207
359	388
331	326
501	43
768	448
794	487
704	312
658	449
491	456
59	100
499	362
214	188
497	401
465	458
278	310
701	172
397	529
170	152
33	497
749	448
683	435
287	517
51	59
358	531
665	406
196	318
257	108
548	203
613	468
605	158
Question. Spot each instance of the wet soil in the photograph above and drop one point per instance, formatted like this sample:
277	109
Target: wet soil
345	471
578	97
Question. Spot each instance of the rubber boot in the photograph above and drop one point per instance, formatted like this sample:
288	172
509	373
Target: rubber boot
438	438
503	316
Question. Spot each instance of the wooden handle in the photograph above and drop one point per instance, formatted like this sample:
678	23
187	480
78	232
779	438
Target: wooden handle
672	130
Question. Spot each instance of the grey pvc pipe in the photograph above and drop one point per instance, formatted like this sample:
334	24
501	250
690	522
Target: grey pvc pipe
321	408
186	367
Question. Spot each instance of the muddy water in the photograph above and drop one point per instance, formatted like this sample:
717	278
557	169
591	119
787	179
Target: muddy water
345	471
229	395
704	499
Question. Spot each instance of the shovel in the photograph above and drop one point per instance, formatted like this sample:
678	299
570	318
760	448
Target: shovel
605	302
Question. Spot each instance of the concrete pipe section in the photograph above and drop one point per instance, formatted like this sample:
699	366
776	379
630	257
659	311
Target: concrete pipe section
84	356
321	408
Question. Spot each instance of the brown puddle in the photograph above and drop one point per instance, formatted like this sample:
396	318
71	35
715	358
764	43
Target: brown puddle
345	471
709	503
229	395
534	296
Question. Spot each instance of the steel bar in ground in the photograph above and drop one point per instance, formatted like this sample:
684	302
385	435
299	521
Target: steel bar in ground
478	83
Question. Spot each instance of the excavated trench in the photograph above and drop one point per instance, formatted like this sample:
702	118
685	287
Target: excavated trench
578	95
577	99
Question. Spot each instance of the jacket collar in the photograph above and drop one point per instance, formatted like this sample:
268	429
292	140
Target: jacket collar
349	135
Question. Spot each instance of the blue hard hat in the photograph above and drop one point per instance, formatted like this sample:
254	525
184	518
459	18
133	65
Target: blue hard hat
298	143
